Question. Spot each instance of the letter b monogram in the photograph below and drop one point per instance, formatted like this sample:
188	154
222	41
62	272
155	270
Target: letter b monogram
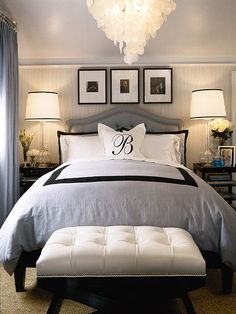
123	144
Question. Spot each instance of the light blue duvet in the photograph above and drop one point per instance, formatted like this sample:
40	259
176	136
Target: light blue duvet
119	192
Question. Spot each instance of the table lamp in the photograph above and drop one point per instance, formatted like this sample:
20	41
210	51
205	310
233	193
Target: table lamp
207	104
42	106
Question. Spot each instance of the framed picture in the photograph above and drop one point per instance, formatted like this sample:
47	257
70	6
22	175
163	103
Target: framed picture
124	86
92	86
227	153
157	85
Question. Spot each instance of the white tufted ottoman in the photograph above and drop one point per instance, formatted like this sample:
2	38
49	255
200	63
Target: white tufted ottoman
106	266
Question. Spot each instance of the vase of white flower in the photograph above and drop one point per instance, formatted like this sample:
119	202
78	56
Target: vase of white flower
221	129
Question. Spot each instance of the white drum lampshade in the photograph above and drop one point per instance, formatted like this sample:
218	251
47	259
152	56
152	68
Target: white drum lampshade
207	104
42	106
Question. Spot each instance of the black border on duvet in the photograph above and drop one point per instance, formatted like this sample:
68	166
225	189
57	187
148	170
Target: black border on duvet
187	179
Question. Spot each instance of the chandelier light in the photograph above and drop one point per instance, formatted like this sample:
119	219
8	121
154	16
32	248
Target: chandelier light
130	23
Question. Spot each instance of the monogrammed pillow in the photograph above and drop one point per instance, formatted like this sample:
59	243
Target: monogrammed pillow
122	145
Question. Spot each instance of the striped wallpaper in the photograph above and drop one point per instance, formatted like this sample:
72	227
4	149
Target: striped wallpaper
63	79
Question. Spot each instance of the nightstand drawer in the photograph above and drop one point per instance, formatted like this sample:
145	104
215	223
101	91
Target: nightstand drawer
35	172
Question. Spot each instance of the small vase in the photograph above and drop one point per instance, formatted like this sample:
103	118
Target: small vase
32	162
25	150
221	141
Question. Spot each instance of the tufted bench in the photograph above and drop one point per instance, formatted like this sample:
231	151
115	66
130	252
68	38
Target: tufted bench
111	267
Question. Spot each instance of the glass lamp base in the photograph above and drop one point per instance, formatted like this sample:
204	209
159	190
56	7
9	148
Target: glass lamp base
206	158
43	158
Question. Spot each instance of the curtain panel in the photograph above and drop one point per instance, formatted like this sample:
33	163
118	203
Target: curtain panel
9	173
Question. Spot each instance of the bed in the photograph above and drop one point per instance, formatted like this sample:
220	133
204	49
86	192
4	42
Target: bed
120	191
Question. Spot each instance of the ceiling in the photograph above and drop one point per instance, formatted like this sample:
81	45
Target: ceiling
63	32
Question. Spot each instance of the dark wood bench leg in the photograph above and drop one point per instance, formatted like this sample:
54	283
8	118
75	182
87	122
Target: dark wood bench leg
55	305
27	259
227	279
19	276
188	304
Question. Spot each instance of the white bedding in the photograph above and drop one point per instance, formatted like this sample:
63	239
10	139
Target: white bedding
119	192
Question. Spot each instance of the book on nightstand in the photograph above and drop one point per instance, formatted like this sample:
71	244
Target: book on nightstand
218	177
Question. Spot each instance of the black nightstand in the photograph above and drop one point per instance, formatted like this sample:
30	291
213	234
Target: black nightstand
220	178
29	175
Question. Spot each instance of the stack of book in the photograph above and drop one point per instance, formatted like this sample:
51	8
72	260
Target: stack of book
218	177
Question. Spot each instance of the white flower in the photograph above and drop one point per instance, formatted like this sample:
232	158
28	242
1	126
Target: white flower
221	128
214	124
33	152
220	125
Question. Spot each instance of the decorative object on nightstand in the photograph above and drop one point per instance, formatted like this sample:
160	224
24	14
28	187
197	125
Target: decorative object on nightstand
217	160
227	153
42	106
221	129
207	104
32	154
25	140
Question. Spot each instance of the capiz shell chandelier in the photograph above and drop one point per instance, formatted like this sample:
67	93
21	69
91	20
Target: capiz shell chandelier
130	23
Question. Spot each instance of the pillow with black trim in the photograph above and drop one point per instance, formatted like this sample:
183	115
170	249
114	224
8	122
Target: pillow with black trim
84	147
63	143
163	147
183	135
122	145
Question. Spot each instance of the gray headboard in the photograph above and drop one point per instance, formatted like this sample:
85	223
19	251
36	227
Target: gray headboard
124	116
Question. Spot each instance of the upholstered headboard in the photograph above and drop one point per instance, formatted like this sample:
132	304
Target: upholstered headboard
126	117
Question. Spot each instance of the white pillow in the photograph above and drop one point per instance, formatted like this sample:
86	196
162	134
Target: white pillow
63	144
122	145
162	147
84	147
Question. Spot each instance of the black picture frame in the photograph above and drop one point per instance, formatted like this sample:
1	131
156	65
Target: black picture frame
227	153
124	86
157	85
92	86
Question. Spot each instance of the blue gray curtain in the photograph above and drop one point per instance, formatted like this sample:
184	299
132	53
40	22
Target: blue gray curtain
9	173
